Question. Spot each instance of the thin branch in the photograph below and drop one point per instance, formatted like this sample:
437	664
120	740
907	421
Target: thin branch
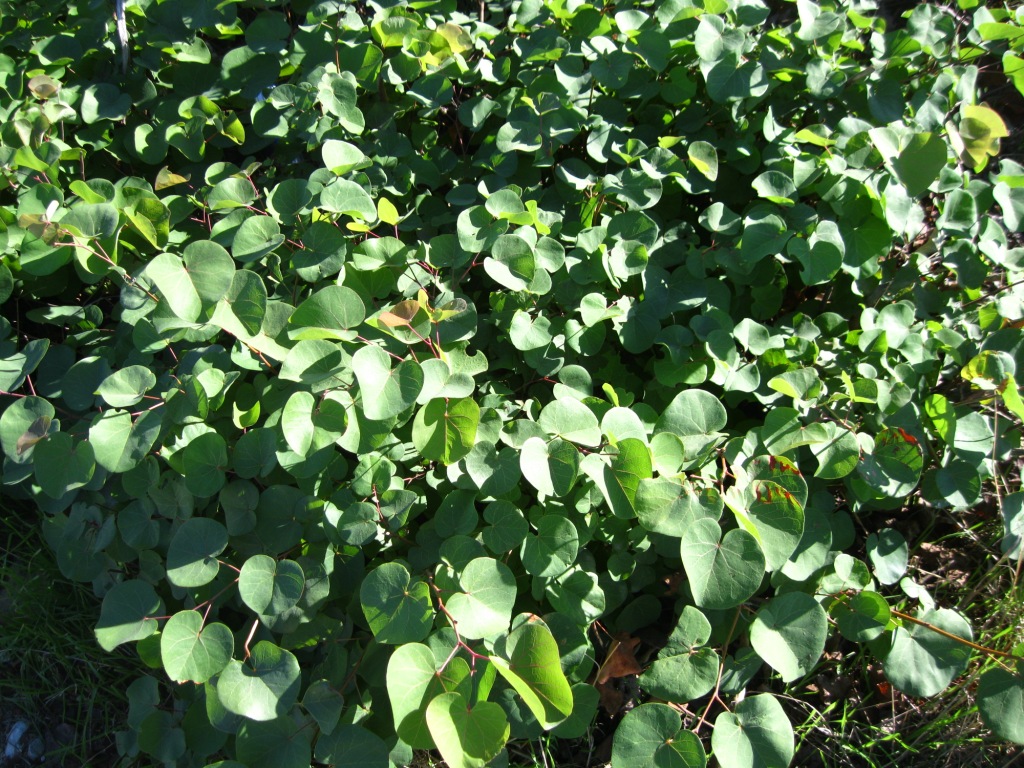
951	636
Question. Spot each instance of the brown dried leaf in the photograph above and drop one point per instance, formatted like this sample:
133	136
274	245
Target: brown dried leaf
401	314
620	661
36	432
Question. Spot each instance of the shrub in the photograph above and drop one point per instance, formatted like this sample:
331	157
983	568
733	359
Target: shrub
393	370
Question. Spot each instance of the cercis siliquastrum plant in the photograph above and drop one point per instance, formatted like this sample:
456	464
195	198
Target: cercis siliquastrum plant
399	373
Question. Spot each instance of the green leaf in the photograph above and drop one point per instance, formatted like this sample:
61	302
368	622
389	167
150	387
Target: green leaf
1013	525
723	571
337	93
512	263
244	307
397	608
192	652
126	387
204	461
255	453
620	478
888	552
270	587
327	314
278	743
774	517
507	527
801	384
483	606
467	737
775	187
704	157
22	425
119	442
789	633
921	662
837	453
553	550
352	745
36	432
915	158
528	332
578	596
571	420
385	392
317	363
445	430
670	505
324	703
192	554
6	283
341	157
104	101
730	79
862	617
193	283
413	681
387	212
696	417
1001	702
686	668
231	193
756	732
652	735
126	614
257	237
533	669
893	469
263	687
494	472
62	465
980	129
347	197
821	255
158	737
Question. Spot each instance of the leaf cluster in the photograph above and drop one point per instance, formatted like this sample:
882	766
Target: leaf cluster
383	365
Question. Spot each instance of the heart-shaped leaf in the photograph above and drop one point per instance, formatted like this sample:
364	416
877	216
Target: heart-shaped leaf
723	571
386	392
445	430
571	420
1001	702
551	467
397	608
922	662
756	732
280	743
351	745
125	614
534	670
685	668
193	652
269	586
327	314
553	550
483	607
789	633
126	387
263	687
62	465
192	554
651	735
413	682
467	737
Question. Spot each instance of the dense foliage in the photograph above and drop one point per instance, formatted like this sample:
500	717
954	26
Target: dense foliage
396	372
